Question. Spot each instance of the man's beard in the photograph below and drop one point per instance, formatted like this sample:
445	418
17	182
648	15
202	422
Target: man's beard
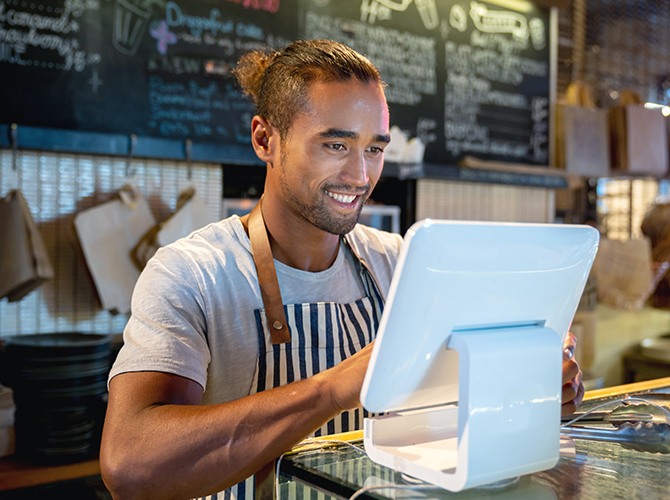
318	214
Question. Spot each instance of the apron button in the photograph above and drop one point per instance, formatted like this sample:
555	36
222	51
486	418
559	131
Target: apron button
277	325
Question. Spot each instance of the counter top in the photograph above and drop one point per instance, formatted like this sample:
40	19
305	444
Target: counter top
585	470
17	474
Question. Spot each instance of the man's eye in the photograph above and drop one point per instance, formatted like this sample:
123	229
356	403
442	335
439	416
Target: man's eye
336	147
376	150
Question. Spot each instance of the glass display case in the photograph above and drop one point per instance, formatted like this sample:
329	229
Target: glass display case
585	470
593	470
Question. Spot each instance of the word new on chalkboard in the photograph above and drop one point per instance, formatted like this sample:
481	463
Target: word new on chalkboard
467	77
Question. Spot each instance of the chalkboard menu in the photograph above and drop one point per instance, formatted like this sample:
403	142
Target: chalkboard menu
146	67
467	77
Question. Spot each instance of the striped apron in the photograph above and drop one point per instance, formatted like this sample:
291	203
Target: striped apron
321	335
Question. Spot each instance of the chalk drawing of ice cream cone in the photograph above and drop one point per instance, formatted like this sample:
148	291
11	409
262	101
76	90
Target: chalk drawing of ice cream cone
129	24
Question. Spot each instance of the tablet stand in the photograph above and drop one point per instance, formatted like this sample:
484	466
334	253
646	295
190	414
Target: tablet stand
506	423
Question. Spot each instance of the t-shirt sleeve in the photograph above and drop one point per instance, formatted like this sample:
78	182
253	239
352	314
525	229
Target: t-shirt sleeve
167	328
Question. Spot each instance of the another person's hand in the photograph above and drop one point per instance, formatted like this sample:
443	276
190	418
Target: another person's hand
573	390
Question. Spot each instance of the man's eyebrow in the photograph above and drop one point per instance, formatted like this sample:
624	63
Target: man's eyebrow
337	133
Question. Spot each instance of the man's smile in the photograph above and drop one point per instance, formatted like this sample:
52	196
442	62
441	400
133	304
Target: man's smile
347	199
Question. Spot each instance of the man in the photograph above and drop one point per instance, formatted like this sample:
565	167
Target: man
216	377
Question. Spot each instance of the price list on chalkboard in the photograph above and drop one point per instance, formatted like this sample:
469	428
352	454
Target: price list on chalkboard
467	77
146	67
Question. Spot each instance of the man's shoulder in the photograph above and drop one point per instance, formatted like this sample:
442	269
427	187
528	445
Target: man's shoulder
202	261
222	237
380	249
375	239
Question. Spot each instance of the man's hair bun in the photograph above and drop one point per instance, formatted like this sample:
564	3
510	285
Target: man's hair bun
250	69
279	81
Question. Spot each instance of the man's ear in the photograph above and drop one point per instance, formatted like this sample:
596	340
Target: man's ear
264	138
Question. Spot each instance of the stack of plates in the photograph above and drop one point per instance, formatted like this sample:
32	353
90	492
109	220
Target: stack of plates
60	385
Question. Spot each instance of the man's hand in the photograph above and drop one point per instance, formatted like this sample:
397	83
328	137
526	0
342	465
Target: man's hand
573	389
345	380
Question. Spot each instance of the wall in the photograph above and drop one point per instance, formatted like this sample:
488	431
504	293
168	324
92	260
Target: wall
617	331
56	187
440	199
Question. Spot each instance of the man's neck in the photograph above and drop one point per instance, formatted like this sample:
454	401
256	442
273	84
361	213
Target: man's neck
295	241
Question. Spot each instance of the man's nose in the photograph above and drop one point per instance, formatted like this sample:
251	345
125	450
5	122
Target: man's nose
356	170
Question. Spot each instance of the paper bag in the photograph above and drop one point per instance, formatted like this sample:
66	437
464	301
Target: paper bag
24	263
191	214
639	140
582	141
582	134
656	227
107	234
624	273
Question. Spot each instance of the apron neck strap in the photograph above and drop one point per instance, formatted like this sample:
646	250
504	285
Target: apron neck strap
364	266
267	277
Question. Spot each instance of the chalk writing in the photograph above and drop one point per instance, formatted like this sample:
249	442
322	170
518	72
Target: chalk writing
425	130
539	139
537	33
380	10
499	21
491	64
406	61
176	65
188	109
268	5
474	96
196	24
458	18
25	35
372	10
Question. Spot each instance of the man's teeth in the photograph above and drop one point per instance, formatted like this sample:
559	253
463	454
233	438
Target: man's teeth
342	198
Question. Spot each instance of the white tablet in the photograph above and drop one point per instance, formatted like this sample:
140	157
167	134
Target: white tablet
454	275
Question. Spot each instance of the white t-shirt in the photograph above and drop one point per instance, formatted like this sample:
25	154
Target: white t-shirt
193	306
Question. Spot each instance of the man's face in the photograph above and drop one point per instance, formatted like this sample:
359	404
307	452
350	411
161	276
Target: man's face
332	156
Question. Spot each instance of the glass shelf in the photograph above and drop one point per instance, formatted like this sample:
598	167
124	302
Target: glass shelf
596	470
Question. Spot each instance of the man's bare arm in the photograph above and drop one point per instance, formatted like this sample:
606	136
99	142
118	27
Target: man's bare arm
159	442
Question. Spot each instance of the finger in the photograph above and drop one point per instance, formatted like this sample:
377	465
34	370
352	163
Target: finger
570	406
569	392
570	345
571	389
570	370
580	393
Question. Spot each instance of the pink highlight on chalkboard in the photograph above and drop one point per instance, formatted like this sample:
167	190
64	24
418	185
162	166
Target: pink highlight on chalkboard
163	36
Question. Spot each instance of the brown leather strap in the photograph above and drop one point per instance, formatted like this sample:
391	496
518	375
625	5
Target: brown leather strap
267	277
